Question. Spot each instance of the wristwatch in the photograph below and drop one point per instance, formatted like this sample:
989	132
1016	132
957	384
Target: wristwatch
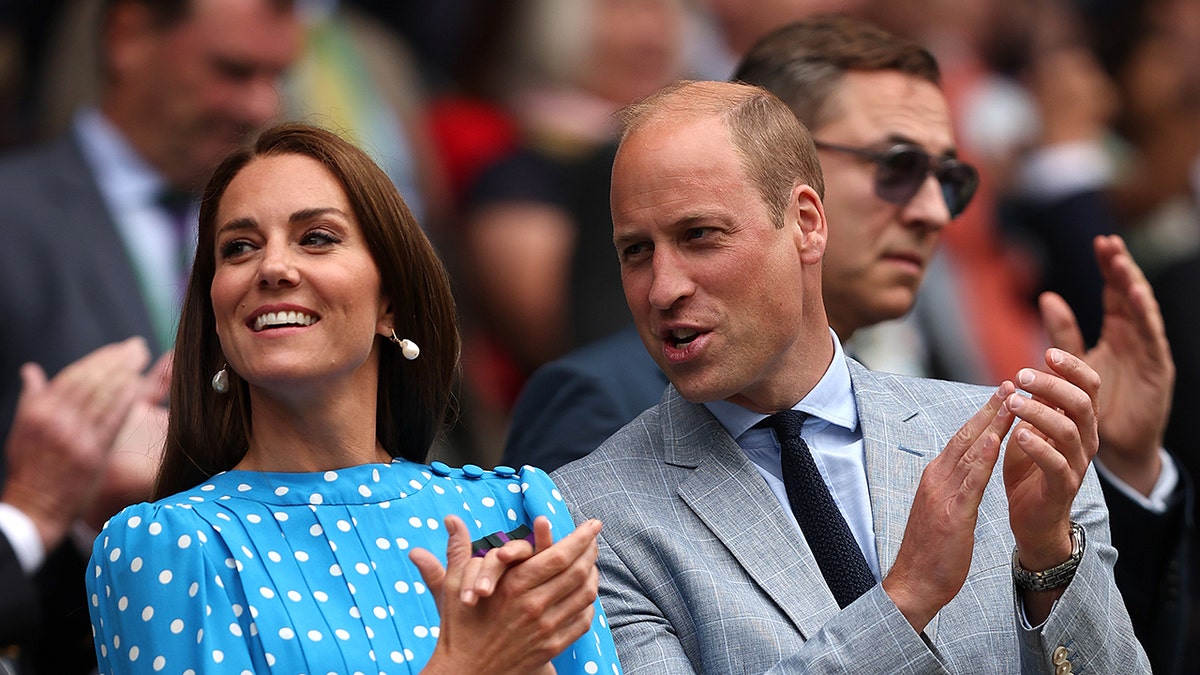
1057	576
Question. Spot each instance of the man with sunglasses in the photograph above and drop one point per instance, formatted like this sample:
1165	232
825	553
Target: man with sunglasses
874	138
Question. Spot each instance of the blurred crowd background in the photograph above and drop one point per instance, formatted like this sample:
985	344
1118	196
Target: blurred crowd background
495	119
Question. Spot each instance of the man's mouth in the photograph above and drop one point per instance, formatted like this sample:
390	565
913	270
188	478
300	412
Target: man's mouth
281	319
912	258
682	337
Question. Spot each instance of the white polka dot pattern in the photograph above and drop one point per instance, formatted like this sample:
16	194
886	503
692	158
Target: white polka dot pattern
302	573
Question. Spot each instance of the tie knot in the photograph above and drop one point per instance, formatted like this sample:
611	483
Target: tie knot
787	424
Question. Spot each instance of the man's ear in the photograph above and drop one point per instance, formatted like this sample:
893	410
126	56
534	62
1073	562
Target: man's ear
128	40
806	214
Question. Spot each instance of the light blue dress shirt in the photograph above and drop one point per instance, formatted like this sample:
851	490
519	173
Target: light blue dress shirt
131	188
836	442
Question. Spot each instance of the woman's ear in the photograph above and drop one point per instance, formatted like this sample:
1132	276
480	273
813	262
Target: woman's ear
387	320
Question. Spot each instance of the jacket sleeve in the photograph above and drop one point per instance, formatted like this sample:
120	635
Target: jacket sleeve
1089	625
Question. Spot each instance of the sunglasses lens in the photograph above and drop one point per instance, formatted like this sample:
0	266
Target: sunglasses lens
899	174
958	181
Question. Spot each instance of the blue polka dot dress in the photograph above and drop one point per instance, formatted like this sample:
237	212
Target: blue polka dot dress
303	573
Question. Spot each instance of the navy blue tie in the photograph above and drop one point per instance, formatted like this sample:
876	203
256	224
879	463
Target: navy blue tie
838	556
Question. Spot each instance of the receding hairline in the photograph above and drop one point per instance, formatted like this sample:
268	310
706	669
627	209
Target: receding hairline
687	101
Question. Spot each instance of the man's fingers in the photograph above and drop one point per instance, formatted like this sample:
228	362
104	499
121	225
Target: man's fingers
970	432
158	380
1057	466
1062	409
1116	263
974	469
1060	324
33	379
1124	274
103	384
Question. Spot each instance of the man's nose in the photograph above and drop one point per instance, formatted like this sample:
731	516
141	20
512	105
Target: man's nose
927	209
671	280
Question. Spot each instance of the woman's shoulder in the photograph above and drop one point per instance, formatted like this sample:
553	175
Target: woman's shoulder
527	490
515	480
173	520
502	483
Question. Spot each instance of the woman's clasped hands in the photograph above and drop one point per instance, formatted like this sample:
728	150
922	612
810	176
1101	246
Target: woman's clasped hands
516	607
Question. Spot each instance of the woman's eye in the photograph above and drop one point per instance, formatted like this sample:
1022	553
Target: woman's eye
234	248
318	238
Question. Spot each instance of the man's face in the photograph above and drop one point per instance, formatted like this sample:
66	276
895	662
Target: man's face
722	298
878	251
199	89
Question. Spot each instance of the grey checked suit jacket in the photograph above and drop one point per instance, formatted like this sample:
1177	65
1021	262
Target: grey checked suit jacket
703	571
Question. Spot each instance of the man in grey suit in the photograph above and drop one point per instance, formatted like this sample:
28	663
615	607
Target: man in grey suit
981	557
97	228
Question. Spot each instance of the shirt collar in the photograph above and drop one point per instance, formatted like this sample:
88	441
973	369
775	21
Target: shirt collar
832	400
126	181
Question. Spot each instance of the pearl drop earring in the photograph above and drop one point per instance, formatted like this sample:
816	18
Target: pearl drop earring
408	348
220	381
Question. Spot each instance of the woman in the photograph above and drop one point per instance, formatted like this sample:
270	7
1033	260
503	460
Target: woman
300	499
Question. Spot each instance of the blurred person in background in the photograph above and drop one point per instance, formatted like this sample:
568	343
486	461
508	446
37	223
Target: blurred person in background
570	65
100	229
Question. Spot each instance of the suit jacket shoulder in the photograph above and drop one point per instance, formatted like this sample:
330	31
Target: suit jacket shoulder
571	405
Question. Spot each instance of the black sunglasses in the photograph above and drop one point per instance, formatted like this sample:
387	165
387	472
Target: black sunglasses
901	169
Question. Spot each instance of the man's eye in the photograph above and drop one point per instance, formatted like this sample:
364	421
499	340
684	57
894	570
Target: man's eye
634	250
695	232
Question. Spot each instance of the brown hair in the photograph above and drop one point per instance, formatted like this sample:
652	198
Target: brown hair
776	151
208	433
168	13
803	62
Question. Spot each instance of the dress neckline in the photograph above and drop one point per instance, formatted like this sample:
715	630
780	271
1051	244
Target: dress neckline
362	484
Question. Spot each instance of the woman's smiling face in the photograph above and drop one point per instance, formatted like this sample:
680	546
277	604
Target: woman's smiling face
296	293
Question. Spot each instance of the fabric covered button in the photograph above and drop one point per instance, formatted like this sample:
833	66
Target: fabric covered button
472	471
440	468
505	471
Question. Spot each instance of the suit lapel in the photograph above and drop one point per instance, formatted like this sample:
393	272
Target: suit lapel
898	447
729	496
106	269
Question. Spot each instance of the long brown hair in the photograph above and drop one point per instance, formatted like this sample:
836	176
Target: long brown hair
209	432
